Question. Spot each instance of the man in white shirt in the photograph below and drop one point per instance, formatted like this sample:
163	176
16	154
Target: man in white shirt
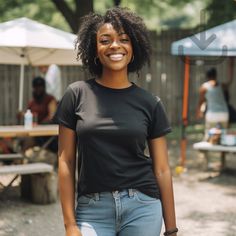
52	75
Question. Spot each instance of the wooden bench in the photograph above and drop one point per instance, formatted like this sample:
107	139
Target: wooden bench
11	156
206	147
38	181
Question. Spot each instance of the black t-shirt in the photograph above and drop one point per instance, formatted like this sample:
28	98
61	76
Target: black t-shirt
112	127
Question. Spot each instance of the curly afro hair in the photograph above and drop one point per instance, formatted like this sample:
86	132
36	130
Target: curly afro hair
120	18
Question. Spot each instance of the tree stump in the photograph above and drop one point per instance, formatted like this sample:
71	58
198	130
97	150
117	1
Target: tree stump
25	187
44	188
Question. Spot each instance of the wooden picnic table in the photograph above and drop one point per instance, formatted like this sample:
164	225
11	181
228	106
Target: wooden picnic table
41	175
206	147
11	131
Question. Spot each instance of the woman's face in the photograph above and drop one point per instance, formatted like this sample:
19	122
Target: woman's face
114	49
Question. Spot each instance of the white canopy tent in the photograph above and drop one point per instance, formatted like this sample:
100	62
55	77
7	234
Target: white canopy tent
27	42
217	42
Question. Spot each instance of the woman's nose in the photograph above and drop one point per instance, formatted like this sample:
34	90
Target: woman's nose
115	44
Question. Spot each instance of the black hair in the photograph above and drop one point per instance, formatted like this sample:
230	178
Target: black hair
211	73
38	81
120	18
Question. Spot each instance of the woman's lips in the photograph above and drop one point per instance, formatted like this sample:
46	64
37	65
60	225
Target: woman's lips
116	57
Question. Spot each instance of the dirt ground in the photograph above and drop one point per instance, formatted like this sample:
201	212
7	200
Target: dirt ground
205	202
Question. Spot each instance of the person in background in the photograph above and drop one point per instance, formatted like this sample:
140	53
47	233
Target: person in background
52	75
43	107
211	93
121	191
42	104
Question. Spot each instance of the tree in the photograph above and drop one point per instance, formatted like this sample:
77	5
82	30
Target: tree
80	8
57	13
43	11
66	14
73	16
167	14
220	12
117	2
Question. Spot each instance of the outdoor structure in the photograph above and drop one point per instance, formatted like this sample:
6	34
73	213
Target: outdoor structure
218	43
27	42
160	79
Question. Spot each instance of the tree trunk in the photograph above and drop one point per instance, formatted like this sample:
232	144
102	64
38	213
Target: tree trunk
73	16
44	188
83	7
117	2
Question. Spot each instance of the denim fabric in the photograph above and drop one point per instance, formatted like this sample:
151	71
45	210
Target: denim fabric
119	213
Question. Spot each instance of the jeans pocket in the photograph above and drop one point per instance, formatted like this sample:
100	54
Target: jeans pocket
85	200
144	198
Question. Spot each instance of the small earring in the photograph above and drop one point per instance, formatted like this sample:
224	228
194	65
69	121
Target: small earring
95	61
132	59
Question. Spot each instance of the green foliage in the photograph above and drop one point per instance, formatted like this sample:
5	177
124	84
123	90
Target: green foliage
160	15
157	14
43	11
221	12
102	6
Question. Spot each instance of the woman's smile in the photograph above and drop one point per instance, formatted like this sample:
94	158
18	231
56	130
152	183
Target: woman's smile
114	49
116	56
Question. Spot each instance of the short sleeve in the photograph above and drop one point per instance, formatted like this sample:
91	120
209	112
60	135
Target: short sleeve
159	124
65	113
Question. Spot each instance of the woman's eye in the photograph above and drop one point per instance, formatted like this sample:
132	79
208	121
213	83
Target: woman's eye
124	40
104	41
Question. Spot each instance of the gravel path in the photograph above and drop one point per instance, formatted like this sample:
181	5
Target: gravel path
205	204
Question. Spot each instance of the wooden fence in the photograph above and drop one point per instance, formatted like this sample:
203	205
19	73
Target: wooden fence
164	78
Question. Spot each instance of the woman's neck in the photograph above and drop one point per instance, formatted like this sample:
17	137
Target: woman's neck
114	79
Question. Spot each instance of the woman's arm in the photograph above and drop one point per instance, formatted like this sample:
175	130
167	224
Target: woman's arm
159	154
66	171
52	107
202	99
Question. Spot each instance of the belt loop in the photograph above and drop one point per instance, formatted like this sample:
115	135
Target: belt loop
96	196
131	192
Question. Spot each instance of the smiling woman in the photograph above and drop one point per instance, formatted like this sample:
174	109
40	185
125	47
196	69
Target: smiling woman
114	49
122	21
121	191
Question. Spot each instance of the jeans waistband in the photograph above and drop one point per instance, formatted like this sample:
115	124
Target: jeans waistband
116	193
129	191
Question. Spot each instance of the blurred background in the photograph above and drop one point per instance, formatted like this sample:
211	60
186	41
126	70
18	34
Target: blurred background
205	195
167	21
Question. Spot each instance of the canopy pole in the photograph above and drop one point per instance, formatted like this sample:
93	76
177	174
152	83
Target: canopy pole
185	110
231	68
20	104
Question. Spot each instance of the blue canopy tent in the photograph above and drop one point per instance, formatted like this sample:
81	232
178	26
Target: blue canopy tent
218	42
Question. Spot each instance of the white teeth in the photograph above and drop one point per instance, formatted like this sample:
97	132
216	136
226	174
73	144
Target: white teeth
116	57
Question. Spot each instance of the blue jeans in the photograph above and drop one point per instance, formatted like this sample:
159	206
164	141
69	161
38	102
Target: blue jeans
119	213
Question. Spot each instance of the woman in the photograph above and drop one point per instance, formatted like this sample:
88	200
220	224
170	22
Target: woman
211	93
110	120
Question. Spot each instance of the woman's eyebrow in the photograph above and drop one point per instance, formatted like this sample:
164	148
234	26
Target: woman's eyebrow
121	33
106	35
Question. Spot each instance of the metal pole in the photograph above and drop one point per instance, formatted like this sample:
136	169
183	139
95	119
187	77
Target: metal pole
185	111
20	104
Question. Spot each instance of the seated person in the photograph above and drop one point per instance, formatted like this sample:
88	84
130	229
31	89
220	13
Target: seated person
42	106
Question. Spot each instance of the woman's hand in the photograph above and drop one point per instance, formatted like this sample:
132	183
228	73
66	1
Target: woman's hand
199	114
73	230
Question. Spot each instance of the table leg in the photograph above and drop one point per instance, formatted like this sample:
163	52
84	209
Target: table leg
206	158
9	185
223	160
